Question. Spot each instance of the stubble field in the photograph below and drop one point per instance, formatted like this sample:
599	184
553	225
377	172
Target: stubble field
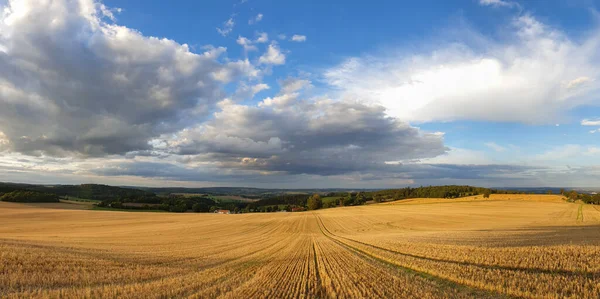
505	246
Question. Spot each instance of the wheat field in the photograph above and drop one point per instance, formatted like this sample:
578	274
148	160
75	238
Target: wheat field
506	246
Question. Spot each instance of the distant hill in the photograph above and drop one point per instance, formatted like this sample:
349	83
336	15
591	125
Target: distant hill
240	191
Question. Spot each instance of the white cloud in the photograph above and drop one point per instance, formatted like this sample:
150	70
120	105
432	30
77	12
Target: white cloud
73	84
494	146
578	82
279	101
460	156
256	19
292	85
595	131
246	92
532	77
570	154
591	122
281	36
227	27
298	38
272	56
291	135
259	87
497	3
262	38
246	43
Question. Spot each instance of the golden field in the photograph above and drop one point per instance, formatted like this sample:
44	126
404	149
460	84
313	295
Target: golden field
531	246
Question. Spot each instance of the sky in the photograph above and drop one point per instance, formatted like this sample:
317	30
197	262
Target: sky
300	94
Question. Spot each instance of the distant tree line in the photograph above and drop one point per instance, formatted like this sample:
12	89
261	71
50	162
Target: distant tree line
29	196
584	197
270	201
173	203
452	191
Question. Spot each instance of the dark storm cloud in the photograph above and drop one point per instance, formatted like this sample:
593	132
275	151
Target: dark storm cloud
320	137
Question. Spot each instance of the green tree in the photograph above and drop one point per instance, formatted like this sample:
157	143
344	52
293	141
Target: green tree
314	202
197	208
348	200
360	199
573	195
376	198
486	193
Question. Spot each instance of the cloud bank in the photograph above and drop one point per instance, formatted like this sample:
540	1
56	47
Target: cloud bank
533	77
84	97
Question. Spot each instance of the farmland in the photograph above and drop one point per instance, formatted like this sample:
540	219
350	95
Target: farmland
506	246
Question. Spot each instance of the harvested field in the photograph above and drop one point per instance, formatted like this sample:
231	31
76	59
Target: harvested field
531	247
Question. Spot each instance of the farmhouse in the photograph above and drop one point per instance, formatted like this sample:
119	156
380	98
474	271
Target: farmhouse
222	212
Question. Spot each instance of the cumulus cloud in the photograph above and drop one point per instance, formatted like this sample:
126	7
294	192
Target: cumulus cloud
291	85
246	43
290	135
262	38
256	19
498	3
227	27
591	122
578	82
298	38
70	83
533	76
82	97
245	91
273	56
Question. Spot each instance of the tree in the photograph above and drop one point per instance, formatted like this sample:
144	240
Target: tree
549	192
376	198
359	199
562	191
314	202
486	193
197	208
573	195
348	200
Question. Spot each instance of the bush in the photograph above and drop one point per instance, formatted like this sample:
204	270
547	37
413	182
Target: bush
180	208
314	202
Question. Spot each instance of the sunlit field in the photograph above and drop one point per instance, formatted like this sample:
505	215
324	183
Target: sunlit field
529	246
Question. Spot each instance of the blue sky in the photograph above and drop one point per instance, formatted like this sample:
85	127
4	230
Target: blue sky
301	93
